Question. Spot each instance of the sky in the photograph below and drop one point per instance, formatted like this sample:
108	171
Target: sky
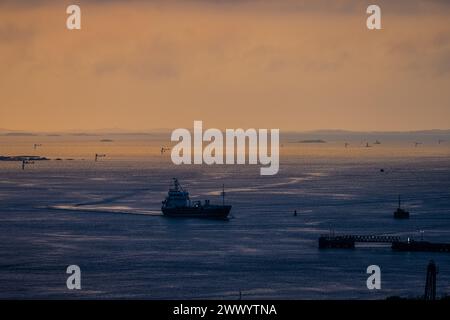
295	65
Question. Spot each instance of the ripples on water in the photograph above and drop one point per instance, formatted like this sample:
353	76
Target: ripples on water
105	218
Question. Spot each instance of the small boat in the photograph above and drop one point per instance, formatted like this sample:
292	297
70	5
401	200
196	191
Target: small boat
400	213
177	204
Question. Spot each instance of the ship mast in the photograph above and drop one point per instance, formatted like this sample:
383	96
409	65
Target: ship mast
177	185
223	194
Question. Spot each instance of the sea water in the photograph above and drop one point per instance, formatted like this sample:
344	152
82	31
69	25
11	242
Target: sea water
105	217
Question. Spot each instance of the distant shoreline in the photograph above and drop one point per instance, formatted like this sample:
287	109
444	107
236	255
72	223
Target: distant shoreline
23	158
18	133
311	141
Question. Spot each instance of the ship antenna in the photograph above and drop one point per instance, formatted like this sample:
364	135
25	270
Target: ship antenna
399	201
177	185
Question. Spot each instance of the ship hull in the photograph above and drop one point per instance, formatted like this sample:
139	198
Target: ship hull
401	214
212	212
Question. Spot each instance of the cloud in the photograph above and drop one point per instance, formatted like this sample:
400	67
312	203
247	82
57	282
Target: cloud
138	61
323	6
155	59
442	63
140	69
13	33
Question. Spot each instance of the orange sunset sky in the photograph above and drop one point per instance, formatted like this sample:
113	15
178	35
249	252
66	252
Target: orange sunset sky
293	65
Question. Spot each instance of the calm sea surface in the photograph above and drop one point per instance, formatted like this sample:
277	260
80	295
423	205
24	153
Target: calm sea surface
105	217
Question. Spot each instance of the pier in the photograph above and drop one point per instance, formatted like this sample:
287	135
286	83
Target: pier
420	246
348	241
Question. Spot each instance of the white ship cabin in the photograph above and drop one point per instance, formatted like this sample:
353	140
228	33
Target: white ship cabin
177	197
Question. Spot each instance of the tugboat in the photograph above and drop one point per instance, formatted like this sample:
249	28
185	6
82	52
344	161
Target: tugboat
400	213
178	204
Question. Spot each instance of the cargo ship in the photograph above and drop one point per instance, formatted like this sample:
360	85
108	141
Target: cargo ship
177	204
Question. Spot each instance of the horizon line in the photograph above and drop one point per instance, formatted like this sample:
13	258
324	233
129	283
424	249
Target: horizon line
119	131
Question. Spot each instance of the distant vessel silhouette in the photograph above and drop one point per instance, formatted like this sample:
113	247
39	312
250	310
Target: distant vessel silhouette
97	156
400	213
164	149
178	204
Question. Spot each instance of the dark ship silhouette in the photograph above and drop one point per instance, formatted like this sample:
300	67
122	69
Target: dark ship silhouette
178	204
400	213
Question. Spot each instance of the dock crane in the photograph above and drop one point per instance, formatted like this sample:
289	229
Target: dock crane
97	156
25	162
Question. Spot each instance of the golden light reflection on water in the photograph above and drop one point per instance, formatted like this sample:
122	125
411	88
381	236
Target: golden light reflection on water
120	146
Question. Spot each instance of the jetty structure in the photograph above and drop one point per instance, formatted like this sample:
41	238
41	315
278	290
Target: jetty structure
420	246
348	242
